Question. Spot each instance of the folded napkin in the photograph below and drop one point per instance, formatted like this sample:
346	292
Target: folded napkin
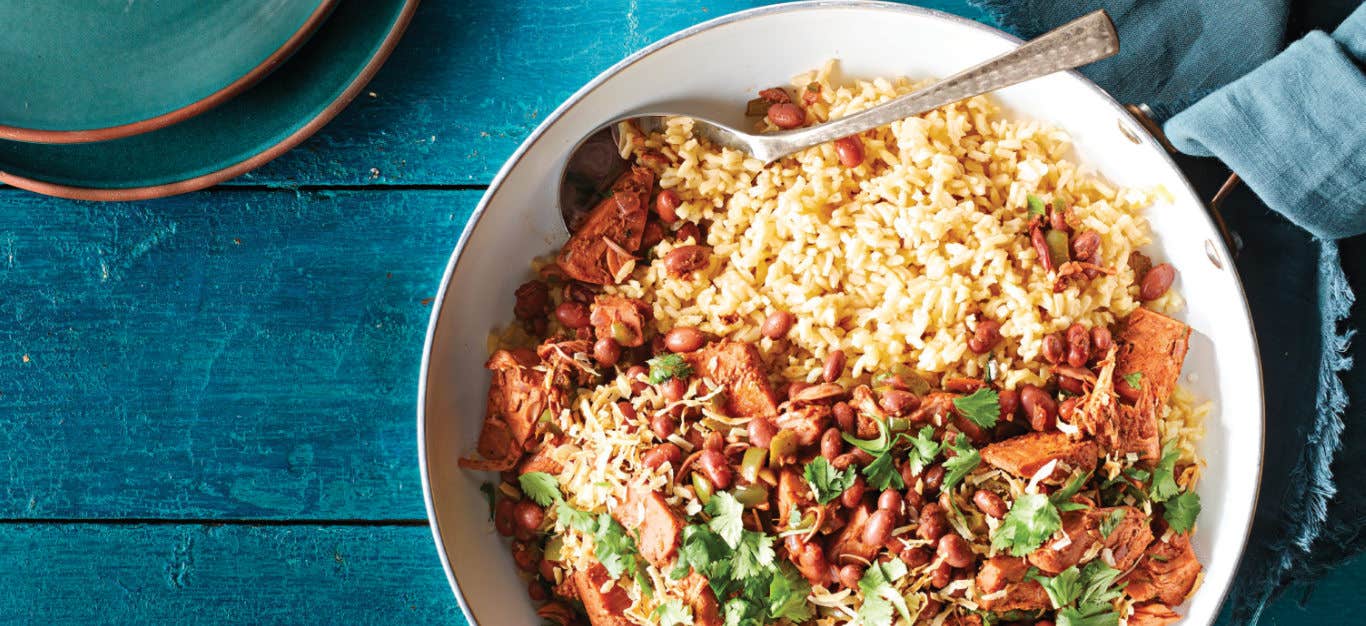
1251	83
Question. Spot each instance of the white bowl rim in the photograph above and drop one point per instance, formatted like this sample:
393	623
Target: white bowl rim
1146	138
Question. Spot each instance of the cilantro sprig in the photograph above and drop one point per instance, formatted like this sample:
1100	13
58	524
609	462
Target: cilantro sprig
826	482
673	613
1034	517
1181	511
880	594
965	459
881	472
1164	474
666	366
1083	597
982	407
541	487
924	449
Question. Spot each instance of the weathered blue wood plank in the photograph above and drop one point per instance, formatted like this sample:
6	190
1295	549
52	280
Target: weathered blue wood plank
472	79
232	354
194	574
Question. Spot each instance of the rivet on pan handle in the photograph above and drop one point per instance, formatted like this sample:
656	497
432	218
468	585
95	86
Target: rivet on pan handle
1143	115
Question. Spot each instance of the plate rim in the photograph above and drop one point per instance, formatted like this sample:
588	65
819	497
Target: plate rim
515	158
175	116
261	157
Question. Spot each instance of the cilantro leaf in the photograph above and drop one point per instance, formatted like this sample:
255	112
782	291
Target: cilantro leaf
727	517
1099	584
966	458
1035	205
1164	475
1083	597
1182	511
1090	616
541	487
1062	498
982	407
666	366
673	613
826	482
1135	379
576	519
1063	589
753	555
1111	522
490	496
1031	521
882	473
787	594
742	612
880	594
613	547
924	449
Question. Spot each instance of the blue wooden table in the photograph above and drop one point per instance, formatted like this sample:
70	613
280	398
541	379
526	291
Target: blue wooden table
208	401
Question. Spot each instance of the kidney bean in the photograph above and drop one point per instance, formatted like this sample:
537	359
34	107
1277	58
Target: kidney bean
890	500
503	519
963	385
606	351
1157	281
845	417
862	456
915	556
1057	219
1043	622
930	609
1009	400
1053	348
1040	244
663	425
674	388
532	299
933	478
879	528
1071	385
850	151
811	558
1067	407
684	260
1085	244
854	494
786	115
832	444
834	366
688	231
663	453
843	461
1039	407
1101	340
572	314
898	402
777	324
683	339
528	515
636	374
850	575
537	591
1125	390
525	556
713	464
942	575
985	336
989	503
761	432
1078	345
796	387
954	550
666	206
714	441
628	412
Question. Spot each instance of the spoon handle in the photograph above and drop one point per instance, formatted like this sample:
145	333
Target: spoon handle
1084	40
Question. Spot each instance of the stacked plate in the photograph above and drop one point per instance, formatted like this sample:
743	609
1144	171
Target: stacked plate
122	101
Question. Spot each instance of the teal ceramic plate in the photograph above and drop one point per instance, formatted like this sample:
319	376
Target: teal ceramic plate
237	136
92	70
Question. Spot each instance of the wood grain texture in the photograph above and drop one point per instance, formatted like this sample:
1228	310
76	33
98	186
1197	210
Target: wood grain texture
471	80
197	574
233	354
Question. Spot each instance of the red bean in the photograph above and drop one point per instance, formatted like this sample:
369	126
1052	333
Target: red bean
879	528
688	231
834	366
890	500
941	576
1067	407
661	454
778	324
1036	238
572	314
674	388
684	260
854	494
933	478
503	520
627	411
1043	622
1057	219
786	115
850	151
525	556
954	550
914	556
1101	340
663	425
713	464
1009	400
1085	244
845	417
963	385
1125	390
832	444
537	591
761	432
528	515
850	575
683	339
1054	348
933	524
606	351
985	336
989	503
811	558
1078	345
1157	281
666	206
898	402
1071	385
636	374
532	299
795	387
1039	407
714	441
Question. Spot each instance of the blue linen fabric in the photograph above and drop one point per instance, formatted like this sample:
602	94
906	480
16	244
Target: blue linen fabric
1253	84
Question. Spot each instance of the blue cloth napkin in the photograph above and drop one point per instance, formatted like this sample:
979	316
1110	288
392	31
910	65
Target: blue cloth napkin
1253	84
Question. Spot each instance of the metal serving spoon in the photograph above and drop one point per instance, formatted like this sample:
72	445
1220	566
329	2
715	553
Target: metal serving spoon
596	162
